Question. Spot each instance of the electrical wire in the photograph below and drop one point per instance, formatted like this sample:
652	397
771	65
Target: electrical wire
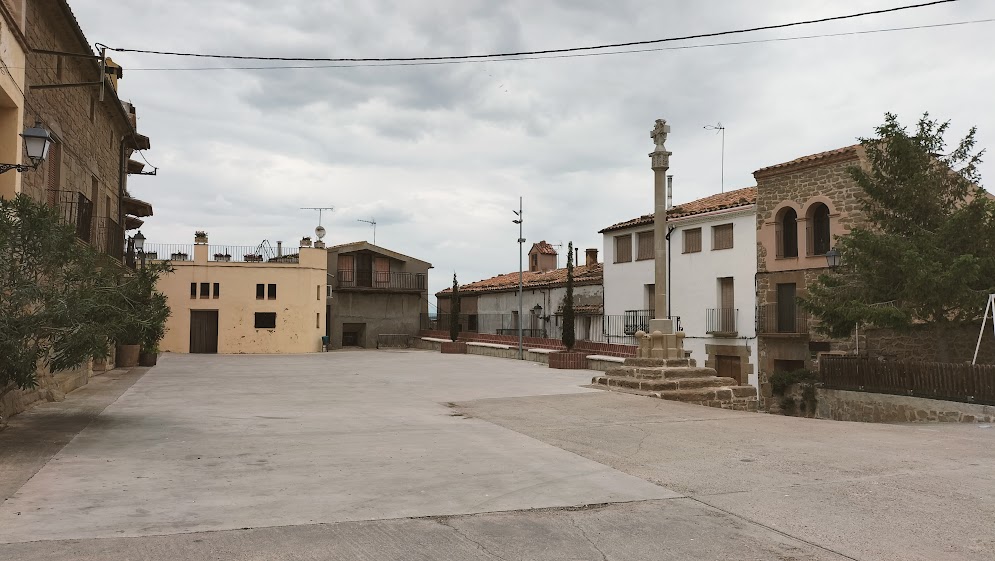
538	52
574	55
142	154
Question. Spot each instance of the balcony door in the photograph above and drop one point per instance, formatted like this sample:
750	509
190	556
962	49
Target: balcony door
786	308
364	270
727	305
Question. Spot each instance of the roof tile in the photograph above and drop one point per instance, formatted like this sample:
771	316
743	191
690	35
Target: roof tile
583	275
720	201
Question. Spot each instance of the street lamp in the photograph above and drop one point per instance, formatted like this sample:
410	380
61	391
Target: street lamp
521	240
139	242
833	258
37	142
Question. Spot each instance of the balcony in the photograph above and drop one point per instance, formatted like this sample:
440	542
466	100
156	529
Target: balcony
101	232
380	281
722	321
783	319
262	253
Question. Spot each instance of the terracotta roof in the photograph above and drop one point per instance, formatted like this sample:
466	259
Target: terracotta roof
583	275
720	201
837	155
542	247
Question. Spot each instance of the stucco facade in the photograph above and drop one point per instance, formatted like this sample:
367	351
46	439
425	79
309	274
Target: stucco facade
374	291
229	291
13	46
711	280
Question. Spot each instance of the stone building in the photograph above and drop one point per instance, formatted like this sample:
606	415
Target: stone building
373	291
801	207
13	49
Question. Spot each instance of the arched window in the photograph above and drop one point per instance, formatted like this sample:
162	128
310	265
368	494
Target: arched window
787	233
819	236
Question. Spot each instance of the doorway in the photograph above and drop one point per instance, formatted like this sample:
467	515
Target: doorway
204	331
353	334
729	367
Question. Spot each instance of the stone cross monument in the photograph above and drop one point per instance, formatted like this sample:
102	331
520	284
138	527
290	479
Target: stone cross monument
662	341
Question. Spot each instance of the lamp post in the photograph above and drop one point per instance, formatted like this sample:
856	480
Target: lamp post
139	241
521	241
537	314
833	258
37	142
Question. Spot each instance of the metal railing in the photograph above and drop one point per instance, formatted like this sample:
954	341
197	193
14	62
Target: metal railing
721	320
786	318
380	280
594	328
219	253
78	211
639	320
951	382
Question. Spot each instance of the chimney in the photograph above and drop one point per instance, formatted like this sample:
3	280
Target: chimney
114	72
592	256
279	249
576	255
670	192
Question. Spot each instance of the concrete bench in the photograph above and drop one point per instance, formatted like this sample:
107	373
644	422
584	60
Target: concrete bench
543	351
435	340
605	358
490	345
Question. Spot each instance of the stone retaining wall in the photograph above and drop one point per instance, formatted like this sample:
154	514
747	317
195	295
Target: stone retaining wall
842	405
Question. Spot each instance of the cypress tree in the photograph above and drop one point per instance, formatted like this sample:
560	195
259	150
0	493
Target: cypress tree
454	311
569	336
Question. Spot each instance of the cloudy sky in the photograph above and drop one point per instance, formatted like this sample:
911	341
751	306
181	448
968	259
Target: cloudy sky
439	154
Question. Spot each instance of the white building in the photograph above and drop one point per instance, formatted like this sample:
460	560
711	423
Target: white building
712	270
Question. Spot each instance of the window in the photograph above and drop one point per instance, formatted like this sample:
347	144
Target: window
317	320
265	320
205	290
53	165
260	291
787	233
818	237
271	292
193	290
644	248
317	293
692	240
217	290
623	248
786	308
722	237
534	266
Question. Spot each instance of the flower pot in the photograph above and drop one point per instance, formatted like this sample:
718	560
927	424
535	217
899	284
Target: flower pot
454	347
147	359
569	360
127	356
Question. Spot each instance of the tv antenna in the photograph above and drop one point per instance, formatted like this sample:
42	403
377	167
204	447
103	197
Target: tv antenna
319	232
372	222
719	128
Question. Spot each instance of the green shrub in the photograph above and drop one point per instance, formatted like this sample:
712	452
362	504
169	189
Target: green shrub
781	381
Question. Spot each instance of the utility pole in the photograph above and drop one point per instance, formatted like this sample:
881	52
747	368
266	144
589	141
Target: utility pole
521	242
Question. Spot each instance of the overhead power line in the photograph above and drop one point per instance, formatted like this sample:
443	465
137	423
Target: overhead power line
538	52
569	55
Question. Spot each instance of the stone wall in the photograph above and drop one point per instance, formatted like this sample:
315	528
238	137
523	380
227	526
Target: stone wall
841	405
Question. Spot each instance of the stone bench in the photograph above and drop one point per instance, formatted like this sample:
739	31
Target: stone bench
434	340
491	345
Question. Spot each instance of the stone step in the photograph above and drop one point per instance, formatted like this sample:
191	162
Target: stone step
661	372
657	362
663	385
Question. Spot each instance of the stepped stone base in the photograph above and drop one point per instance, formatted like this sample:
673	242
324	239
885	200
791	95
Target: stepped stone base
678	380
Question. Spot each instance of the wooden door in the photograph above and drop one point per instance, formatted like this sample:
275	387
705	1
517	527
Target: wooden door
729	367
364	270
727	306
786	308
204	331
381	272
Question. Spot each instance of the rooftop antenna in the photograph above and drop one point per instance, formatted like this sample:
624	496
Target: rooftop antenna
319	232
719	128
559	246
373	222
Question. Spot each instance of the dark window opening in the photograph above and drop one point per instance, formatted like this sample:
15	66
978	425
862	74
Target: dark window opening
193	290
260	291
265	320
786	308
788	233
271	292
820	230
205	290
217	290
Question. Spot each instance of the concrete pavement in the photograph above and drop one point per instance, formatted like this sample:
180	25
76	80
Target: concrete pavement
415	455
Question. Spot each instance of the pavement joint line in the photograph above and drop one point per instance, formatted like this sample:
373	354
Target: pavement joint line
775	530
428	517
444	521
80	431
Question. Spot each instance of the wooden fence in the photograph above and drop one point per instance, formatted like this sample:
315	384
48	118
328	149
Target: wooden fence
951	382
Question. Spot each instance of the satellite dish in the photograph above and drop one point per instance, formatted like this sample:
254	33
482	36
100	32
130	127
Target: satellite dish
319	232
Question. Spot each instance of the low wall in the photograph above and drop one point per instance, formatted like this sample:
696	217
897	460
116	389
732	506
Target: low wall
590	347
594	362
51	387
843	405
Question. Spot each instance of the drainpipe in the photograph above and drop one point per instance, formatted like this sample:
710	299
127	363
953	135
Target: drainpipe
122	182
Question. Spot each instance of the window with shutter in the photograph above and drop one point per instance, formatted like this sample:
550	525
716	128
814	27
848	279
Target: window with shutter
645	246
722	236
623	248
692	240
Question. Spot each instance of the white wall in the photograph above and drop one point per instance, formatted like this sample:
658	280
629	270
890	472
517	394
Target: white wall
625	283
694	279
489	305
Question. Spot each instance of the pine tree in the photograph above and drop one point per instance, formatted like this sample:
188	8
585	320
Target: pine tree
569	336
454	311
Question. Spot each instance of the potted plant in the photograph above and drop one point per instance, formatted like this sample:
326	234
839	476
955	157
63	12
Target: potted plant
568	358
224	257
200	236
306	241
454	346
253	258
179	256
141	316
153	329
